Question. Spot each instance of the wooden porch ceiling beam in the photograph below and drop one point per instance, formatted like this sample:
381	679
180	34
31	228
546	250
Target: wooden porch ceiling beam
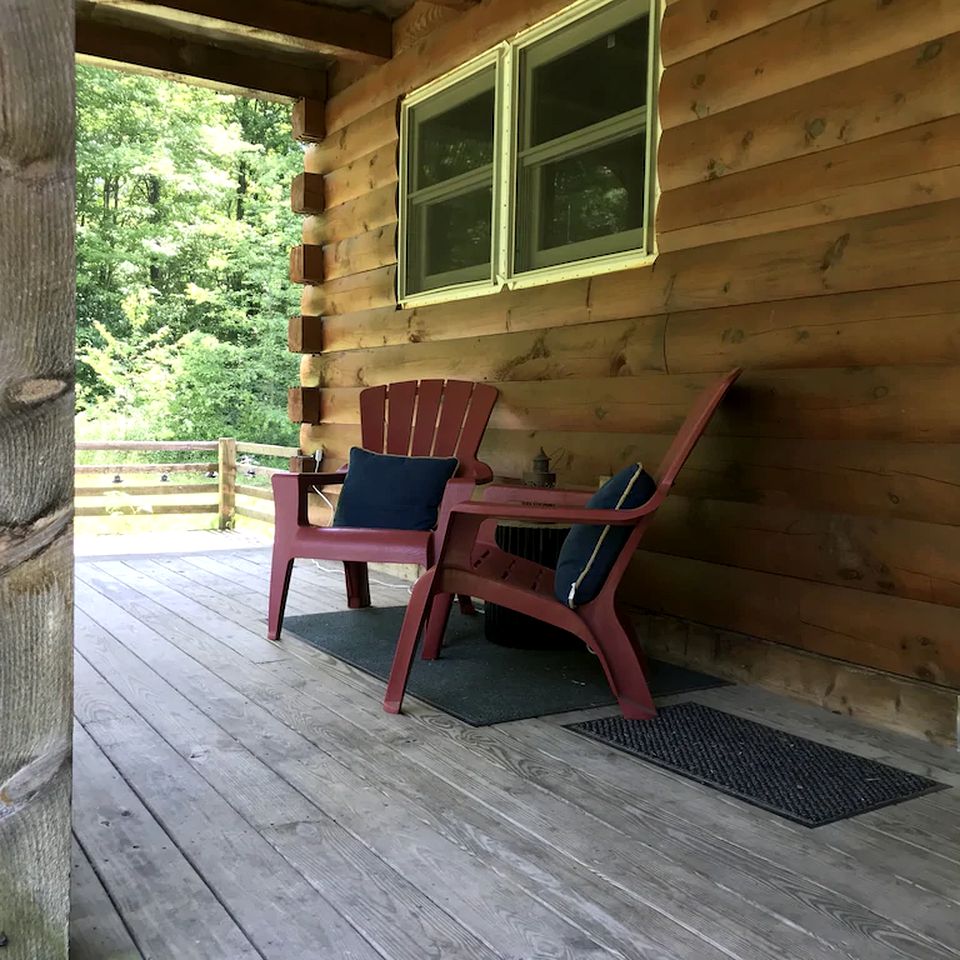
178	56
330	31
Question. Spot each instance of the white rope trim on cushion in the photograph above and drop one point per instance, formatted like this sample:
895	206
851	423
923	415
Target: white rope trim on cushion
571	598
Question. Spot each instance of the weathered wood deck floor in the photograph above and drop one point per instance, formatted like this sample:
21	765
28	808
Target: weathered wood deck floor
235	799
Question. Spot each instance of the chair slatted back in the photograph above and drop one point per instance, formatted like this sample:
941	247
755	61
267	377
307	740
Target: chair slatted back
440	418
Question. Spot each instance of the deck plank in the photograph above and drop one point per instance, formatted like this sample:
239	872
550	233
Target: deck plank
527	840
96	930
164	902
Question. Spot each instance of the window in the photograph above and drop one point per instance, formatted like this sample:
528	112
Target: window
534	162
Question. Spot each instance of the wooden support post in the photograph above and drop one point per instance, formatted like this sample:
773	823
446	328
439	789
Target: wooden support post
36	475
227	481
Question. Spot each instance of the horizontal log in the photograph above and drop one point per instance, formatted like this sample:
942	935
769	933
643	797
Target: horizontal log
359	291
905	637
620	348
306	264
479	29
369	251
902	325
841	35
303	405
266	449
258	493
180	55
369	172
848	181
306	194
918	561
912	246
909	481
378	208
139	509
305	334
145	490
876	698
690	27
307	120
145	468
146	445
894	93
260	515
364	136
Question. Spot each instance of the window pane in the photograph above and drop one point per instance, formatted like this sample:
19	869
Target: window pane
449	240
602	78
457	140
591	196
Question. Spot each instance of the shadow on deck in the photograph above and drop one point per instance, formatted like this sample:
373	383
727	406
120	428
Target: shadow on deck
239	799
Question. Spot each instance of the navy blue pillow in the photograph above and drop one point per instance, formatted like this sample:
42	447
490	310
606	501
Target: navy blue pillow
392	493
589	552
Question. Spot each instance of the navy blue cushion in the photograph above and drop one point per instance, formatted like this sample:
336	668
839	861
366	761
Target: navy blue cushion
589	552
392	493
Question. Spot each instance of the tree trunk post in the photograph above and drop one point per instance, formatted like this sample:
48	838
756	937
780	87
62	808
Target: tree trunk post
37	309
227	476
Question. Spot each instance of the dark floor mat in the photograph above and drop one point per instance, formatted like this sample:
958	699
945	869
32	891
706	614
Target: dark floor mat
799	779
479	682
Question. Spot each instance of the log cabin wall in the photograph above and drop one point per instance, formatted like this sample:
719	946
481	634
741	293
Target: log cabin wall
809	230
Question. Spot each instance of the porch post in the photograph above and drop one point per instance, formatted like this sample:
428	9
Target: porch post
36	474
227	480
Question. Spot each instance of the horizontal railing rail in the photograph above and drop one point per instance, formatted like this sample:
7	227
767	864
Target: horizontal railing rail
233	456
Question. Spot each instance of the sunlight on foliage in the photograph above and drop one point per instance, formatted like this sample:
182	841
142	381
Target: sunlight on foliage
183	230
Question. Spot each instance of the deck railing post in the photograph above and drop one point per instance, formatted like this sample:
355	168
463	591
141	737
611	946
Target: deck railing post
227	481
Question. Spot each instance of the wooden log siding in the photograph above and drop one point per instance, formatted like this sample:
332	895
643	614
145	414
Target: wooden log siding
808	224
36	465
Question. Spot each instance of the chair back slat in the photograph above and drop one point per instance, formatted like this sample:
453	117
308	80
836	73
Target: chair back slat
425	428
696	422
401	401
475	422
456	399
373	417
441	418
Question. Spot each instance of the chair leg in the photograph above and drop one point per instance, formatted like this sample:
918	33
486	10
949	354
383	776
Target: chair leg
280	569
622	660
436	626
466	604
358	584
413	621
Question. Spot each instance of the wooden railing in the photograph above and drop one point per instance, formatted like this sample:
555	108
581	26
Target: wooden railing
224	469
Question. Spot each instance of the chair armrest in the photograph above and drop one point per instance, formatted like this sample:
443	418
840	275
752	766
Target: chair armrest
290	494
558	514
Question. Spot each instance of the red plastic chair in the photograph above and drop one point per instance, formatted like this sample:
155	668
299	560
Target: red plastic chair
441	418
469	562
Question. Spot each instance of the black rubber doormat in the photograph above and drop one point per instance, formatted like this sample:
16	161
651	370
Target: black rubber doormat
474	680
806	782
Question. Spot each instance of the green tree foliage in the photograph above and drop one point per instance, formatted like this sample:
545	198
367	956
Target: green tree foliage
183	229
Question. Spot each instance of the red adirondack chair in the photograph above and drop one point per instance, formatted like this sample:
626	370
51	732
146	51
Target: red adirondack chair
441	418
470	562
